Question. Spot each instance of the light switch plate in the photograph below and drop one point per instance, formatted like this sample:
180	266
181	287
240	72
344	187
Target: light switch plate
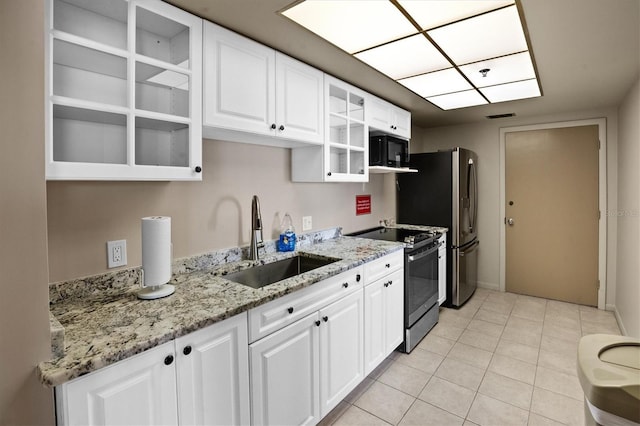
307	223
116	253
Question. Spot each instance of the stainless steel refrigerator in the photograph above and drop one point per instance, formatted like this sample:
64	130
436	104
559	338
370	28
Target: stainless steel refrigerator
444	192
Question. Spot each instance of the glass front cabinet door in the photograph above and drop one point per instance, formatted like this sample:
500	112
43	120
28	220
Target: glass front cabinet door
346	136
123	91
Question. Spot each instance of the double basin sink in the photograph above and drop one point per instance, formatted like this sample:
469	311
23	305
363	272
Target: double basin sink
263	275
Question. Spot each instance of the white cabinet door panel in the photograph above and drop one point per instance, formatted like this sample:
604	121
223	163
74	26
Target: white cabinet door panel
140	390
299	100
285	375
341	350
374	326
394	310
238	82
213	374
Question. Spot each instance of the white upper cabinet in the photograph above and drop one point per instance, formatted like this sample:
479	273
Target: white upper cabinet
344	156
388	118
252	91
123	91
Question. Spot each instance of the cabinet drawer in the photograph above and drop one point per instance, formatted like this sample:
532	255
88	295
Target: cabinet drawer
381	267
278	313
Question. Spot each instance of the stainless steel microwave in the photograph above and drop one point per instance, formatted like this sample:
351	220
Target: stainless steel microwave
385	150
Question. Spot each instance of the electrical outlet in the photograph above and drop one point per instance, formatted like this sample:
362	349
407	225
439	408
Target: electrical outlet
307	223
116	253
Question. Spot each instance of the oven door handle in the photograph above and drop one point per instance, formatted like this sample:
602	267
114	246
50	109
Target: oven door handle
411	258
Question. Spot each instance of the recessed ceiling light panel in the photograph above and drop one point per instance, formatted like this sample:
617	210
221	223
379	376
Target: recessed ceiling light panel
486	36
352	25
501	70
431	14
470	52
403	58
458	100
436	83
512	91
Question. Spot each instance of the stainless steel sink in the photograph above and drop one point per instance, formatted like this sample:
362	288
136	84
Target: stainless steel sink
262	275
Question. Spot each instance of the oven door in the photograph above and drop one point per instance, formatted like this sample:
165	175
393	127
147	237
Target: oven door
421	282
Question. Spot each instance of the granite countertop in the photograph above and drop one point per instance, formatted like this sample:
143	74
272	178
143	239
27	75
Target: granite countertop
106	326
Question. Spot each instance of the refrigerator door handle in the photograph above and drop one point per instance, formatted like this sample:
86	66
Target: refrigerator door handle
472	194
469	249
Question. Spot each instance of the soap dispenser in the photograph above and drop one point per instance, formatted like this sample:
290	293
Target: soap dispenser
287	240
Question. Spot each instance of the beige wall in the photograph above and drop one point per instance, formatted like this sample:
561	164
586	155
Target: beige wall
484	139
24	302
207	215
627	213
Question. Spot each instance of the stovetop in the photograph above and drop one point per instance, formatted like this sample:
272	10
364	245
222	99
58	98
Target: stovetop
411	237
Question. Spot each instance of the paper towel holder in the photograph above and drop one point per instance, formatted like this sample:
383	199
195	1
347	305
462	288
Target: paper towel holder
156	291
157	255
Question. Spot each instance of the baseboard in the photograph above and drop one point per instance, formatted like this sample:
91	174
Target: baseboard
489	286
613	308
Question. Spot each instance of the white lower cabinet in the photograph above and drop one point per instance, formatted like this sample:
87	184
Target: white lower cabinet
140	390
300	373
309	350
285	374
213	374
168	384
341	350
383	318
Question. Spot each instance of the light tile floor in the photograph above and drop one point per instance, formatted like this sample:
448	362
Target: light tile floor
502	359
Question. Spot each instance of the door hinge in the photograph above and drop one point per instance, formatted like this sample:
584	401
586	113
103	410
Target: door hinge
598	284
599	215
598	143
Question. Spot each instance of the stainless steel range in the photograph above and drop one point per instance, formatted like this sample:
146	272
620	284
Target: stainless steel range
420	278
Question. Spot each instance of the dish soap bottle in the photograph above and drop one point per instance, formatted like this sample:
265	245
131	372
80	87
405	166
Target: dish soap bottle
287	241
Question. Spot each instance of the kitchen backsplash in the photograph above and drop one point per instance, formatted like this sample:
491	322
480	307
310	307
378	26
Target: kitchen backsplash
104	284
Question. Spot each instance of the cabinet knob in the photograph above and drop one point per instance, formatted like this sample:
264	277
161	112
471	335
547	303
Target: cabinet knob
318	323
290	309
345	285
329	174
187	350
325	319
168	360
281	128
388	265
273	126
358	277
198	169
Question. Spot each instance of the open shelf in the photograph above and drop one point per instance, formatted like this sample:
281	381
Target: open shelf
384	169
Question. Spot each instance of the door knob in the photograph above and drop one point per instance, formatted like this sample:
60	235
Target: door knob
510	221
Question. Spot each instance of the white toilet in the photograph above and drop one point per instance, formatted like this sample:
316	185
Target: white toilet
609	372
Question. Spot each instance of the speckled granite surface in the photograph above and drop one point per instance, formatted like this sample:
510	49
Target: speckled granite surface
108	323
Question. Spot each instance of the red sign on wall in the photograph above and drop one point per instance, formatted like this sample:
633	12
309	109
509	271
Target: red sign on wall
363	204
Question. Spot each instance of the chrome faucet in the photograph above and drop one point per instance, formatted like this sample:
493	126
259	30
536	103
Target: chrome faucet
256	229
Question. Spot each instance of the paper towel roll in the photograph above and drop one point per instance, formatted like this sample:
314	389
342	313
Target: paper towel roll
156	250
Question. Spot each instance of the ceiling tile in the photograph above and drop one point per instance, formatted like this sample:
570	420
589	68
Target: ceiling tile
512	91
490	35
505	69
458	100
431	14
436	83
352	25
407	57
